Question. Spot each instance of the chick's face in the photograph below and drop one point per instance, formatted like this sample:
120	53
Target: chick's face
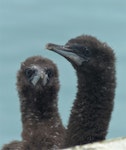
37	73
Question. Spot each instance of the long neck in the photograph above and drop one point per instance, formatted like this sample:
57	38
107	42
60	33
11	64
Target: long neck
38	105
92	108
40	119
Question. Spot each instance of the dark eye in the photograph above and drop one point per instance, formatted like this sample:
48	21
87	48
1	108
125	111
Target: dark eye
29	72
49	72
86	52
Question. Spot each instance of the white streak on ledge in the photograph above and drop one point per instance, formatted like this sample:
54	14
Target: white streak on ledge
113	144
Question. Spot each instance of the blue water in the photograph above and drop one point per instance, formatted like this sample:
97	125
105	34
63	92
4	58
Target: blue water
27	25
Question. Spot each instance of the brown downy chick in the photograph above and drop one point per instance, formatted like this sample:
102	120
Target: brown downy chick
38	86
94	63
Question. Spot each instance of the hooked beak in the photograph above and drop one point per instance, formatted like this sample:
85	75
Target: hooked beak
40	76
35	74
67	52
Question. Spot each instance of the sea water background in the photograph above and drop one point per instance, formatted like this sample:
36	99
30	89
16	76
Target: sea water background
27	25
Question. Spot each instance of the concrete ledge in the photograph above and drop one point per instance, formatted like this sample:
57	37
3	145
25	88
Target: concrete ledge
113	144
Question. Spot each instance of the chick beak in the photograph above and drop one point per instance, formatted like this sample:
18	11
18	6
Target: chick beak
65	51
40	76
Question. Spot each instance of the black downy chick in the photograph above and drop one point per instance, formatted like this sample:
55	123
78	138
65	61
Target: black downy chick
94	63
38	86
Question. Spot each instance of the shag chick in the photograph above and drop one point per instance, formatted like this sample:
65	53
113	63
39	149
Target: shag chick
38	86
94	63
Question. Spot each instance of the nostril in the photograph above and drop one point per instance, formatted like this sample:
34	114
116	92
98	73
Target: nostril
30	72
